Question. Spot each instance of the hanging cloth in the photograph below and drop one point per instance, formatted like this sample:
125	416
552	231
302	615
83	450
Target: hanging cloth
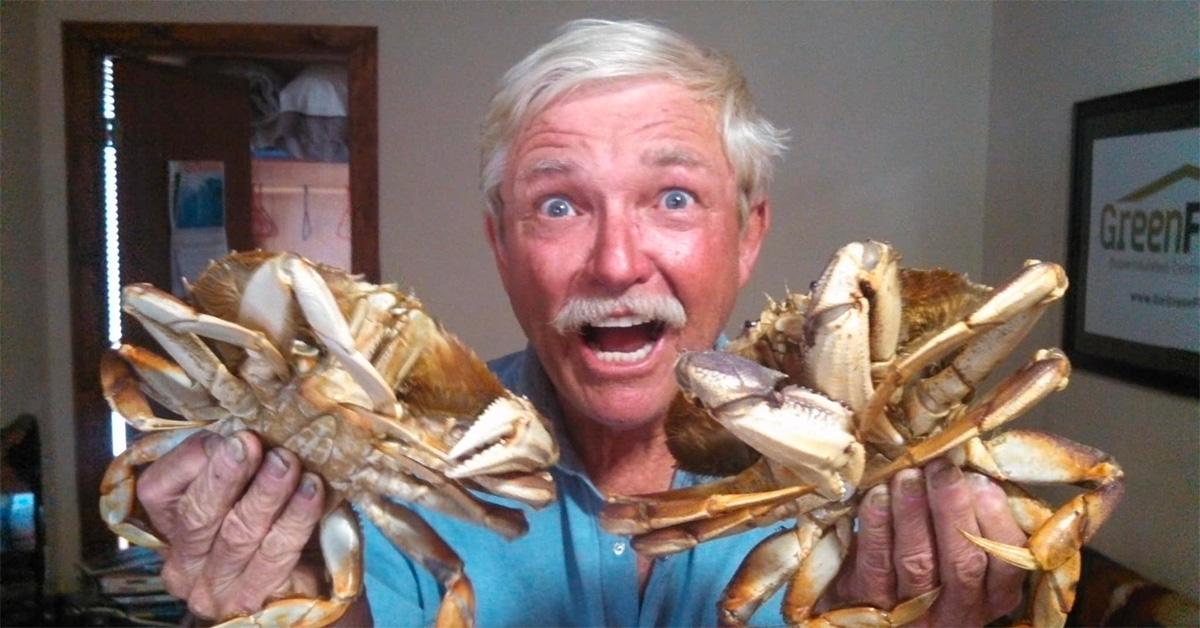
262	224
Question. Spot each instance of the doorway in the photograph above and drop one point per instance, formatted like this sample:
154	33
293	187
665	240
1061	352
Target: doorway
86	46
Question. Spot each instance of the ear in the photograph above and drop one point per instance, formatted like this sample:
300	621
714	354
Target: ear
758	221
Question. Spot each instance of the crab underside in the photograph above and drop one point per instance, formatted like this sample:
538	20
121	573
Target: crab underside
366	388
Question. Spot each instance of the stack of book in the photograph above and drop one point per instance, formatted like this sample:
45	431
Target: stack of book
129	581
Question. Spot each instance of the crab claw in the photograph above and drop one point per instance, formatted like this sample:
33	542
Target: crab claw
800	429
509	436
716	380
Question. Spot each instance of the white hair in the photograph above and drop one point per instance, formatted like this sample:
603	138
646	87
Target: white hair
591	50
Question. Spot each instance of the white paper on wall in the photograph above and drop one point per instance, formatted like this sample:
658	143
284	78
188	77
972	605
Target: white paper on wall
196	193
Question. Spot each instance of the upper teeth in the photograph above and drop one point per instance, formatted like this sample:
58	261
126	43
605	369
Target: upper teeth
621	321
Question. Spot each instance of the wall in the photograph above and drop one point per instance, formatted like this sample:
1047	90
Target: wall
886	104
22	303
1046	56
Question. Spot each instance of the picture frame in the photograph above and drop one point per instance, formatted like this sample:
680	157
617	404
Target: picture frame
1133	310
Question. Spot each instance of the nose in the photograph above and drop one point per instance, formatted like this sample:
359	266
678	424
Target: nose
618	259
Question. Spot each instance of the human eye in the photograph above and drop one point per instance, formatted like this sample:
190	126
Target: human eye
557	207
676	199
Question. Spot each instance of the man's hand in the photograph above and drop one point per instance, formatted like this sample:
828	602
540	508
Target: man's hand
909	543
236	522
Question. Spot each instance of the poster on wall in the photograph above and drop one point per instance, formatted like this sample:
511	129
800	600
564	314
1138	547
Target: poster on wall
1133	310
196	190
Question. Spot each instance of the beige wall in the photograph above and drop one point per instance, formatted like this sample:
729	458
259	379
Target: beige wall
23	294
888	107
1046	56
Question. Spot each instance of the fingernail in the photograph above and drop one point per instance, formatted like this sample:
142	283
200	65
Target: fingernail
235	449
945	476
211	442
308	486
880	498
911	484
977	480
277	465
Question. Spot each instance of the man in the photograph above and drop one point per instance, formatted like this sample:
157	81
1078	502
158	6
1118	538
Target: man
626	169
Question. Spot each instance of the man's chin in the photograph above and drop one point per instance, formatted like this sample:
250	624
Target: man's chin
623	406
623	393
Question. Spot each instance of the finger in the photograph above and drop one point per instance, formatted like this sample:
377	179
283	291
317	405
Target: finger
916	567
996	522
874	579
271	568
204	505
162	484
962	566
245	526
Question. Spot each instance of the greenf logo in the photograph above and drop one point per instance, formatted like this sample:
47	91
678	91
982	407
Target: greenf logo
1148	220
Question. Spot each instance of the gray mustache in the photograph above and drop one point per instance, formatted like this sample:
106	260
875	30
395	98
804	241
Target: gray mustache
581	311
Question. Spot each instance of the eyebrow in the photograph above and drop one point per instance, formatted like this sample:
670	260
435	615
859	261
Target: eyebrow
673	156
545	167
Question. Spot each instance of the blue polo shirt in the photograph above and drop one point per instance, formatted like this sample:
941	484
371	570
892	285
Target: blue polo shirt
567	570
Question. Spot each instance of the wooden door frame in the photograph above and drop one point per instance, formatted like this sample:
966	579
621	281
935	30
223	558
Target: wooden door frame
85	44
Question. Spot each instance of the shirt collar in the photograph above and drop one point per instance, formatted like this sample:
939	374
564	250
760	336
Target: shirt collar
535	384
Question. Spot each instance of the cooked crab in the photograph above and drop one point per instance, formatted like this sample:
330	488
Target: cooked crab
358	381
872	372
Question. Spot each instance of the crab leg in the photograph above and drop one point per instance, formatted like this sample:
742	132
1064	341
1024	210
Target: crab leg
341	546
413	536
444	496
906	612
640	514
1040	458
117	489
1047	373
535	489
125	396
1053	593
817	569
265	364
930	400
202	365
689	534
1036	284
768	566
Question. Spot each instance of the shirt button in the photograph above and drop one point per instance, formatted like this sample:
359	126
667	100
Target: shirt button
618	548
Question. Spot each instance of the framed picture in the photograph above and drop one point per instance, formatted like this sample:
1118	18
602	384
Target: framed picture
1133	310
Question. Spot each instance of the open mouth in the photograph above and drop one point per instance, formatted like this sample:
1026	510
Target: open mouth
623	339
